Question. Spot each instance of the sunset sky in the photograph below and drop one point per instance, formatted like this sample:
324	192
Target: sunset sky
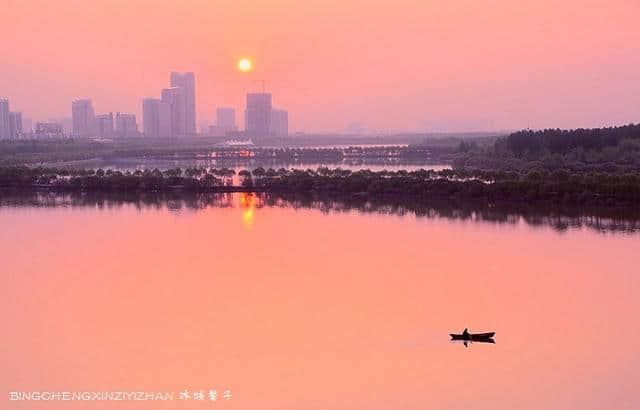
391	65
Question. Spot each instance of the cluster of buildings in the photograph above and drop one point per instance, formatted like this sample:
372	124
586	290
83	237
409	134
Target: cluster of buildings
83	124
86	124
171	115
174	113
260	119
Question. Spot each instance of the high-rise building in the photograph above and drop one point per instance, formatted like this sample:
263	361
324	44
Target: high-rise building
156	118
83	118
5	126
104	125
126	126
175	98
258	114
226	119
15	124
186	81
279	123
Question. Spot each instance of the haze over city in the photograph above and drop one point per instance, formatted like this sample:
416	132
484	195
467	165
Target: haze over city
387	66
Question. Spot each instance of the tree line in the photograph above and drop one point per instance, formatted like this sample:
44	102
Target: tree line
557	141
560	186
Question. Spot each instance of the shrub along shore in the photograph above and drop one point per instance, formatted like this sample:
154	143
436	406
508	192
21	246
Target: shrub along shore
559	186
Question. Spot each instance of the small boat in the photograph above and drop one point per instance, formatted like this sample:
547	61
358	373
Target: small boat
473	336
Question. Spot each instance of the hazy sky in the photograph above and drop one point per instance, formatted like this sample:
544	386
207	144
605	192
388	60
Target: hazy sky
392	65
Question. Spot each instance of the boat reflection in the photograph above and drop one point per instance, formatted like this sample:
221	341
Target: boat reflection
466	343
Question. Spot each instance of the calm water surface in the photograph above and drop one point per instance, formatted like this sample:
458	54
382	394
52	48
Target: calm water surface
291	307
132	164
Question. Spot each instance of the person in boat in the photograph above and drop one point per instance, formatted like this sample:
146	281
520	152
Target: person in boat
465	334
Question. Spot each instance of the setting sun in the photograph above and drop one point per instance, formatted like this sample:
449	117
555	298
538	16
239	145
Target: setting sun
245	65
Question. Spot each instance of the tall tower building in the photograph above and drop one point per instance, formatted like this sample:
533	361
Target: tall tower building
83	118
5	126
175	98
226	119
104	125
156	118
15	124
186	81
279	123
258	114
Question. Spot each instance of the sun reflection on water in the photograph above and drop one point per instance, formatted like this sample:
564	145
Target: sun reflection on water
247	204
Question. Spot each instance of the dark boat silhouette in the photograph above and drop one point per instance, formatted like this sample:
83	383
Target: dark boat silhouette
474	337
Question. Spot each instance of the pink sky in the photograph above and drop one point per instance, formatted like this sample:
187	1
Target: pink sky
392	65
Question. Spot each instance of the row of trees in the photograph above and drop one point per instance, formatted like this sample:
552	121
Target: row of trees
610	150
556	186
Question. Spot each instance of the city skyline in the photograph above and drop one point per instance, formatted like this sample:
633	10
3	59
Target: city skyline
171	115
402	65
